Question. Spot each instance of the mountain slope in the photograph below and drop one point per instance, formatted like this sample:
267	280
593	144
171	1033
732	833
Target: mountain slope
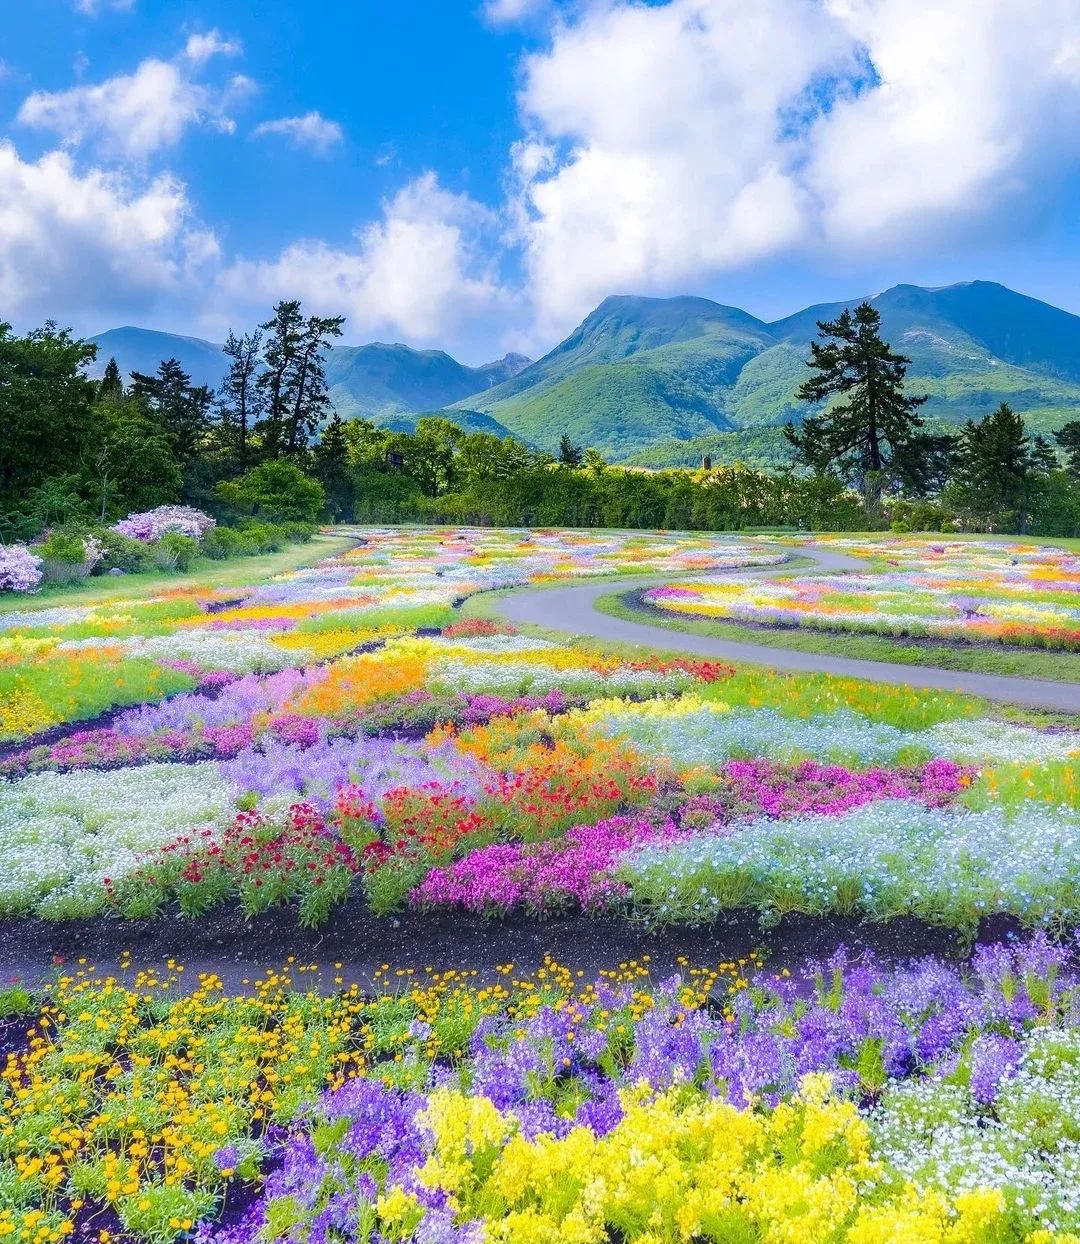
641	377
634	370
142	349
641	372
378	380
375	381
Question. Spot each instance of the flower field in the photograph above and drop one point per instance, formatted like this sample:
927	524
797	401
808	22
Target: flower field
965	591
855	1103
345	737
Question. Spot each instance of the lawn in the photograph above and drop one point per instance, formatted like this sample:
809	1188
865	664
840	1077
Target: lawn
347	743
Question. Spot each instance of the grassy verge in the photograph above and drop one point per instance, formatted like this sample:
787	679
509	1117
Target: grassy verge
205	573
1052	666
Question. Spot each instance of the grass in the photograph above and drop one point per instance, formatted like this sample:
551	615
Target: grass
1017	663
205	573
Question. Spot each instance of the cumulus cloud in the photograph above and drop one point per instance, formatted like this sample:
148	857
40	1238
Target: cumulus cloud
419	271
203	47
655	152
666	143
137	114
76	244
977	101
312	130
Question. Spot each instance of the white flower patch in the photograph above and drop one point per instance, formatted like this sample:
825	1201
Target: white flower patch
890	858
242	652
511	678
494	645
936	1135
705	736
61	835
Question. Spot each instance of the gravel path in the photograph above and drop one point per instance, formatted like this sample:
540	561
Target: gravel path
572	609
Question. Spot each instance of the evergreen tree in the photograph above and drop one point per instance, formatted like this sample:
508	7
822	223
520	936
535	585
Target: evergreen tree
181	409
994	468
296	398
570	455
332	470
1043	458
284	332
112	383
311	398
1068	438
858	437
240	399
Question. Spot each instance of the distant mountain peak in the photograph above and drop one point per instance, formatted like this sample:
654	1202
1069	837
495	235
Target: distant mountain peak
639	370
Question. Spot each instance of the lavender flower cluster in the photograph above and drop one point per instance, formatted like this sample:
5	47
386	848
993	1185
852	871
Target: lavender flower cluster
151	525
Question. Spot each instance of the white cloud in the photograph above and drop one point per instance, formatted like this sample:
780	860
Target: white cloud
136	114
418	272
76	244
667	143
656	129
506	12
312	130
202	47
94	7
977	101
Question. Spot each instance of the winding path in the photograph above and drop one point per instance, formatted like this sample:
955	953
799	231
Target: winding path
573	609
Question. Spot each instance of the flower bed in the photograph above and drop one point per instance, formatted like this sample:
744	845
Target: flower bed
846	1103
501	771
964	591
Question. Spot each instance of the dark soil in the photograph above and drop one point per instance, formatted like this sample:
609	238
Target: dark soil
238	949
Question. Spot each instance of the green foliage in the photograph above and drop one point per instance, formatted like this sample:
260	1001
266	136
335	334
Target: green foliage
275	490
994	481
124	553
862	435
174	551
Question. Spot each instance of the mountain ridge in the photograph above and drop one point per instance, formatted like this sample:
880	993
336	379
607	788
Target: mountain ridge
641	378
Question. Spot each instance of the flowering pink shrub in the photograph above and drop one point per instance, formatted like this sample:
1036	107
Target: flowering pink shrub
20	570
153	524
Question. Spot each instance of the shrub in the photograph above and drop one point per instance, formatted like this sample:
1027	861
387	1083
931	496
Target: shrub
276	491
125	553
223	542
299	533
151	525
264	537
20	570
175	551
69	556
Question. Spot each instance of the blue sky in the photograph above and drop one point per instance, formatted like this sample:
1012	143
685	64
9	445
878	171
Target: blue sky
479	175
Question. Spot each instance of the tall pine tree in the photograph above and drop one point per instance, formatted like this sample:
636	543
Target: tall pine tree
111	384
1068	438
995	466
293	383
332	470
181	408
240	398
858	437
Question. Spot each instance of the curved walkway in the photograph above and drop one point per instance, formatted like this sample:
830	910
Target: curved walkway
573	609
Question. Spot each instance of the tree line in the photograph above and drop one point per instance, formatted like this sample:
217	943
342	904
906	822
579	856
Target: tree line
77	450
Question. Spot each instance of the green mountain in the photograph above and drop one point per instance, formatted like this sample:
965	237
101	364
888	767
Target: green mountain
637	370
379	382
666	381
142	349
